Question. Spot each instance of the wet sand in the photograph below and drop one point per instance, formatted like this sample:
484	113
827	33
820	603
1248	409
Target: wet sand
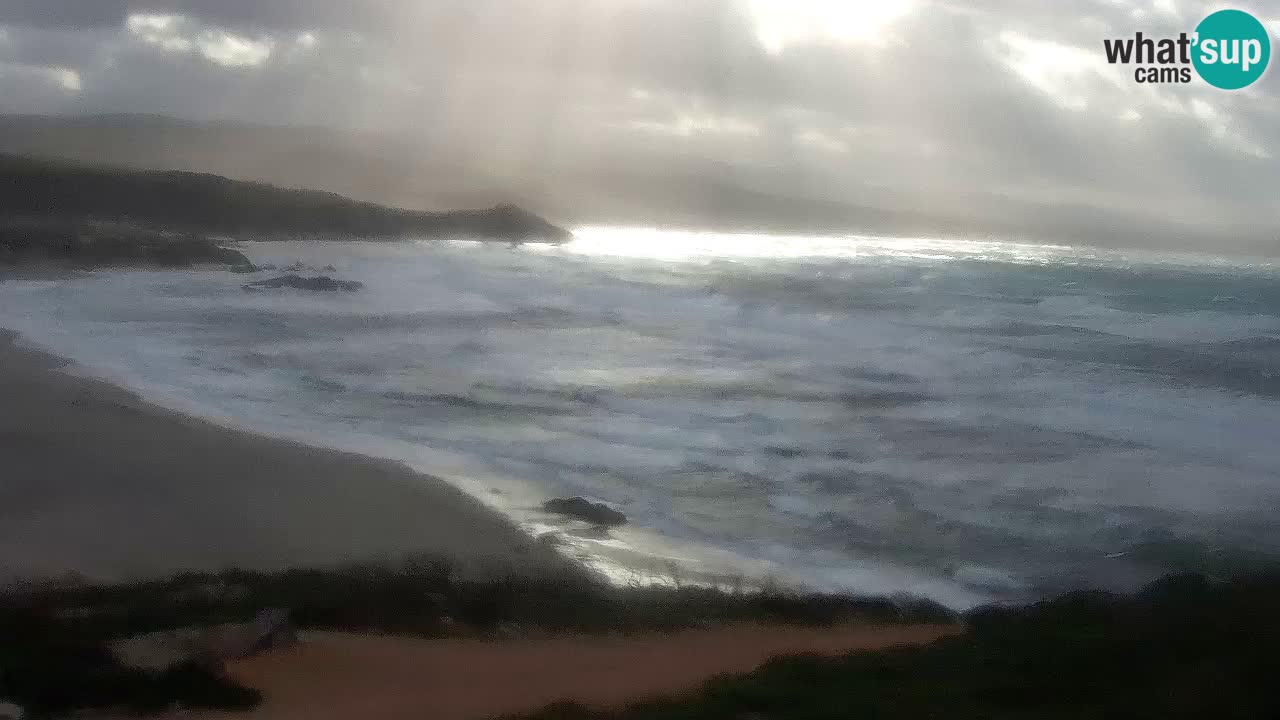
97	483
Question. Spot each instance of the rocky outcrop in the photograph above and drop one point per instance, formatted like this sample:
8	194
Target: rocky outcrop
302	267
507	222
580	508
92	245
298	282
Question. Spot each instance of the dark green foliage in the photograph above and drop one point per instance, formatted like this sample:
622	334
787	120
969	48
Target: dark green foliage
194	686
172	200
90	245
1181	649
423	596
50	666
53	639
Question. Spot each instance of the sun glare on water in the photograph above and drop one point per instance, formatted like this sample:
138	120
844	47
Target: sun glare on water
700	246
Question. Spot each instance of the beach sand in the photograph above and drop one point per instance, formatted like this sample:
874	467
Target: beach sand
97	483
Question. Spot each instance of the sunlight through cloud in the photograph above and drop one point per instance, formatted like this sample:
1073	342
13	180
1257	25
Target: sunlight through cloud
68	79
783	23
162	31
1055	69
230	50
176	34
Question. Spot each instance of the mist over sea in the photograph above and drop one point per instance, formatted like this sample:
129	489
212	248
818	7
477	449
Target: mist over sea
963	420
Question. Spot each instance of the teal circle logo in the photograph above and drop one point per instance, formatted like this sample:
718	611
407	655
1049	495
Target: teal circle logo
1232	49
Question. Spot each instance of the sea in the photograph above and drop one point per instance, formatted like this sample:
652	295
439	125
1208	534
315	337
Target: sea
970	421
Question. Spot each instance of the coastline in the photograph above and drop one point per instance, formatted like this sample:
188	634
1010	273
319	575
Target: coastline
635	553
99	484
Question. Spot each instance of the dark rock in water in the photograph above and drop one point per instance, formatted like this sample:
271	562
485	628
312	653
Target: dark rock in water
194	250
303	267
582	509
595	532
297	282
244	269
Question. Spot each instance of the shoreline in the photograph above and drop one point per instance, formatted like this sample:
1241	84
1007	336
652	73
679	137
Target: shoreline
628	555
99	484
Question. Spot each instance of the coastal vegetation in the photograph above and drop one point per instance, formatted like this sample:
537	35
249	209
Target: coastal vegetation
1183	647
88	245
55	657
176	201
52	666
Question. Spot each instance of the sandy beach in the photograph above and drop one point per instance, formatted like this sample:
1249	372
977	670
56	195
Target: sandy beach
96	482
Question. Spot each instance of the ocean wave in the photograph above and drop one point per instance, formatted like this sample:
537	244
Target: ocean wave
496	406
1250	366
995	441
1013	418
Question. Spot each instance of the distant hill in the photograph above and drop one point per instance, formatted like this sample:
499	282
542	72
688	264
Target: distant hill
387	170
42	189
650	184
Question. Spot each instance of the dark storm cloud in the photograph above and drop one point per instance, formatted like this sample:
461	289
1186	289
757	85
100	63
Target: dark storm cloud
55	46
235	13
64	13
286	14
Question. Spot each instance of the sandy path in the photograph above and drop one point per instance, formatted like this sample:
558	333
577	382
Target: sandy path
342	676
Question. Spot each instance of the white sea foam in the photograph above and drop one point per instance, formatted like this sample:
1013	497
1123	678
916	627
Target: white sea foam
964	419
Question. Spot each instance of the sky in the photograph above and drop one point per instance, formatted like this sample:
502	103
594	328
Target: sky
986	109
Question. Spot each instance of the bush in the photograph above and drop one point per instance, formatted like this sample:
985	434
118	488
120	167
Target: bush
54	657
53	668
424	597
1182	648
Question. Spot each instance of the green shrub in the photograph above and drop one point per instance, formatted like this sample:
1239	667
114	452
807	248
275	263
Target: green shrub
1183	648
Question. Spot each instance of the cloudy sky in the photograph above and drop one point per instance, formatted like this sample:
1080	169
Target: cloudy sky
955	107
